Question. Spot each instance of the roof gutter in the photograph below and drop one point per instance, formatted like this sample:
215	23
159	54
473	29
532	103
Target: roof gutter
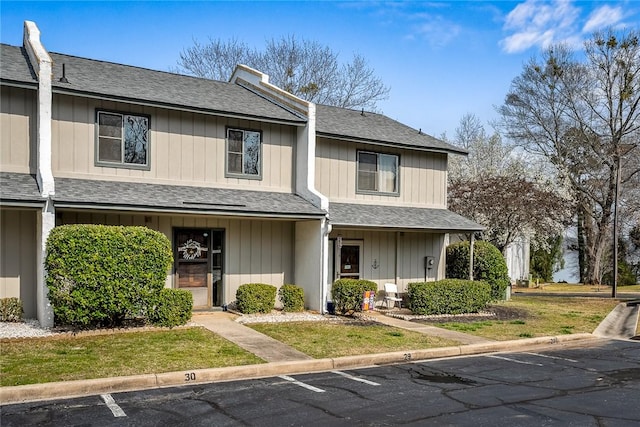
190	211
393	144
22	203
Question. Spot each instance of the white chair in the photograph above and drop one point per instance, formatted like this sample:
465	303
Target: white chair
391	295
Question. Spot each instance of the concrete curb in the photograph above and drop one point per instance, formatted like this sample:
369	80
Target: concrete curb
71	389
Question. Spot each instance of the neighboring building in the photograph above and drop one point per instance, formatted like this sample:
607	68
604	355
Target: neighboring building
518	258
248	182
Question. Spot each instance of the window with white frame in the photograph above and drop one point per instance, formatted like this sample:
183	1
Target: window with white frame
122	140
244	153
377	173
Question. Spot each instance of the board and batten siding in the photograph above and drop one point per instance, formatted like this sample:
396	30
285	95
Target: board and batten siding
423	175
255	251
398	256
18	254
18	112
186	148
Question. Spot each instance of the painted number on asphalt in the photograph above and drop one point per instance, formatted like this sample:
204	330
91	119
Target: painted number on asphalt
189	376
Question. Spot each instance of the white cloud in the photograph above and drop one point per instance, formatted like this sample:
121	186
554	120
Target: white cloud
437	30
538	23
602	17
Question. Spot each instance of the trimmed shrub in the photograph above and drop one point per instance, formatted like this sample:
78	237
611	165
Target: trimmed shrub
488	265
172	307
11	310
449	296
292	297
347	294
101	275
255	298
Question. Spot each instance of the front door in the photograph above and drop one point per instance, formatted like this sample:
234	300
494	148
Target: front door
198	255
349	260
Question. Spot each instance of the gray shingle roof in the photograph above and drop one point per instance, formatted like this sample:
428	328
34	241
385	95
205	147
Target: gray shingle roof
164	88
107	79
356	215
336	122
15	66
19	189
176	198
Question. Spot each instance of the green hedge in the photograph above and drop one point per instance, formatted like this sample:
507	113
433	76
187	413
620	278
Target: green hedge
11	310
292	297
449	296
172	307
347	294
101	275
488	265
255	298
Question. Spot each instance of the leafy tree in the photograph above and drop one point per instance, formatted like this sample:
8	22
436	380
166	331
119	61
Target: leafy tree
302	67
544	262
584	117
488	155
509	206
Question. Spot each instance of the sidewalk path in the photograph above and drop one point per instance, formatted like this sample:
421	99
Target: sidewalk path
264	347
427	330
271	350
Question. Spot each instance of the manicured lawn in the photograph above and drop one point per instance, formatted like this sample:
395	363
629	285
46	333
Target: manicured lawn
39	360
328	339
48	359
544	316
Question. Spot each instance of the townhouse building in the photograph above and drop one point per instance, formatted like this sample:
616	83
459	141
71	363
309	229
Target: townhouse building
247	181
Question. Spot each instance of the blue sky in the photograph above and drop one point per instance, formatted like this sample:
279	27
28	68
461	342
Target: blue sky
440	59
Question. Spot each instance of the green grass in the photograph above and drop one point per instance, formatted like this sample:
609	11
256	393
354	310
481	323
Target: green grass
65	358
576	287
40	360
545	316
326	339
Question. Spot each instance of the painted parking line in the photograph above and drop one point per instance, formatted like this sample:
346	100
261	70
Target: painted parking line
515	360
111	404
301	384
553	357
351	377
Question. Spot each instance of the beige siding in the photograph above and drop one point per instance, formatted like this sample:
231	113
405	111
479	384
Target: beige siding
423	178
18	250
254	251
186	148
17	129
398	256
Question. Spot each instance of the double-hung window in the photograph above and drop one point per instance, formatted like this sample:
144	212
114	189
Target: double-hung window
122	140
244	153
377	173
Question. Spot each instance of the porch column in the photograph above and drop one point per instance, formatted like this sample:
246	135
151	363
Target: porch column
45	222
309	263
472	240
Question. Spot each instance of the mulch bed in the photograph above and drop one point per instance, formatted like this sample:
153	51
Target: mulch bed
494	312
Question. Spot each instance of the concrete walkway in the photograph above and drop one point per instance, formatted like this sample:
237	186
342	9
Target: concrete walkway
271	350
427	330
268	349
621	322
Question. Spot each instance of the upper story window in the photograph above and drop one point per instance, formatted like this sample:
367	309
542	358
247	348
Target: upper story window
123	140
244	153
377	173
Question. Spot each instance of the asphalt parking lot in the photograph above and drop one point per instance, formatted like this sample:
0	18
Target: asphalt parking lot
594	384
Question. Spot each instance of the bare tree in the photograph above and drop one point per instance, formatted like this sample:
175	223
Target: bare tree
584	117
303	67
